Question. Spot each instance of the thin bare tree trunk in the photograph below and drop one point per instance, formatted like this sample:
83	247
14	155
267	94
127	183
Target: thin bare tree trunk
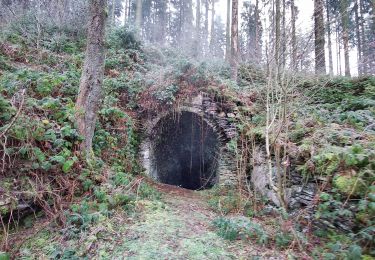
198	28
138	16
320	63
338	36
358	35
130	11
345	34
234	39
330	59
38	24
212	43
364	44
277	36
181	21
60	10
126	12
294	39
164	25
283	43
371	49
227	37
90	86
206	34
113	17
198	17
258	50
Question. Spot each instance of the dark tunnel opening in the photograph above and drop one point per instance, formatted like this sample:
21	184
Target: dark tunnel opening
185	151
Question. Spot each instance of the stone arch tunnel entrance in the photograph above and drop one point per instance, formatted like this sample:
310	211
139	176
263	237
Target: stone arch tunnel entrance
184	151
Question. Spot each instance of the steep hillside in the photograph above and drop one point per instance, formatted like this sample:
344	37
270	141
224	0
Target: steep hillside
103	208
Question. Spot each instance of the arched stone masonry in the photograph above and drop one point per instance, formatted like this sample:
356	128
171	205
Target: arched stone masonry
166	153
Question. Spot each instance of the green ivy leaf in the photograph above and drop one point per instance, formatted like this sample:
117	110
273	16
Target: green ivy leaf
50	135
371	196
4	256
67	166
46	166
329	156
355	252
324	196
40	156
58	158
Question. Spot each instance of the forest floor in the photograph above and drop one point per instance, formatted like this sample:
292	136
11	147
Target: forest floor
182	229
115	216
178	226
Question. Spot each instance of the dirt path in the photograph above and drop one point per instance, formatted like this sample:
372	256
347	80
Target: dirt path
181	228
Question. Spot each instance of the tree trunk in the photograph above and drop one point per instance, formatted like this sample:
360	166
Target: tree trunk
206	34
345	34
38	24
330	59
227	37
371	49
258	47
283	36
364	44
358	35
126	12
277	36
198	16
234	39
60	13
189	20
212	43
130	18
294	39
320	63
180	21
338	47
113	17
92	76
198	28
138	16
163	24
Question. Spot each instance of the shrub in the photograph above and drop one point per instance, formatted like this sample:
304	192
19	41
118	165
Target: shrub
82	216
240	228
224	200
146	191
6	110
121	179
349	185
166	95
60	42
297	134
4	64
283	239
339	248
124	38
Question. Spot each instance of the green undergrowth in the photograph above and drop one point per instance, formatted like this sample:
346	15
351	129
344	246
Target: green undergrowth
42	166
224	200
251	220
338	145
331	142
331	133
240	228
153	230
243	228
38	90
94	218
